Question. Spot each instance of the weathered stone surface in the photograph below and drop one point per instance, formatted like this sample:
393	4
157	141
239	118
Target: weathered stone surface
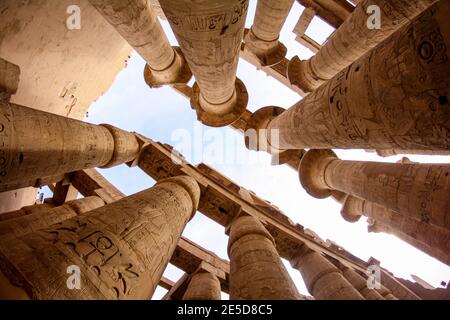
121	249
45	217
360	284
210	34
352	40
37	144
400	100
322	279
203	286
256	270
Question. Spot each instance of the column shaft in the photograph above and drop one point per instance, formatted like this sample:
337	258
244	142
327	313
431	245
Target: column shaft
262	38
417	191
256	270
36	144
136	22
44	218
121	249
396	96
353	39
210	35
324	280
203	286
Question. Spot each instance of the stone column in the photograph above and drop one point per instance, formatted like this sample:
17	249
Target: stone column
262	38
121	249
210	34
353	39
396	96
36	144
256	270
203	286
416	191
44	218
360	284
9	79
136	22
323	279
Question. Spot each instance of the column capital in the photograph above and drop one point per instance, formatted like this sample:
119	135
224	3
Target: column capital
259	121
300	74
247	225
352	208
312	172
126	146
233	108
178	72
268	53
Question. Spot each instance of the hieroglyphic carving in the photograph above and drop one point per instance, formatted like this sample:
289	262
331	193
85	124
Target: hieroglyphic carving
389	108
122	248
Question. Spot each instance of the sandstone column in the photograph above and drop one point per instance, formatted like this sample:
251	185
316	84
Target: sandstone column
36	144
45	218
203	286
353	39
136	22
210	33
360	284
323	279
262	38
256	270
121	249
9	79
414	190
396	96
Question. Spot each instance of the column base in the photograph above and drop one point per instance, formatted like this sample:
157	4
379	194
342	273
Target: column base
236	106
268	53
301	76
258	121
177	73
312	170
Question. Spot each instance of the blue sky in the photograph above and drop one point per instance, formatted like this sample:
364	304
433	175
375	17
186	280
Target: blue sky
162	115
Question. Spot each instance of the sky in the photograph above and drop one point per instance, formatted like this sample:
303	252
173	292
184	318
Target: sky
163	115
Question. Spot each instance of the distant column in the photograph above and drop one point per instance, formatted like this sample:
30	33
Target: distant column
120	249
323	279
256	270
396	96
262	38
38	144
36	208
203	286
393	152
136	22
44	218
417	191
210	35
353	39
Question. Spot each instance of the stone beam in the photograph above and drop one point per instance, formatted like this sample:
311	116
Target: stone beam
221	203
334	12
